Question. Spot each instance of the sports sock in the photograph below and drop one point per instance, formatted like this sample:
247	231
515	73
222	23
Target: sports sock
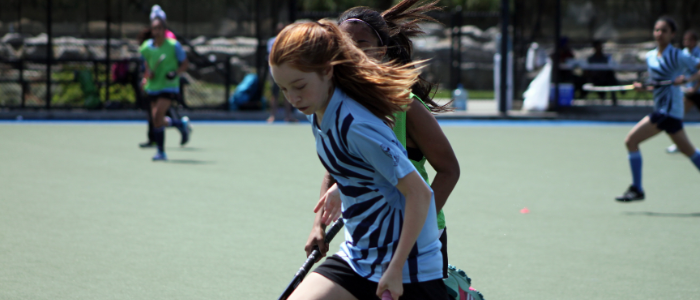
151	137
159	134
636	166
176	122
696	159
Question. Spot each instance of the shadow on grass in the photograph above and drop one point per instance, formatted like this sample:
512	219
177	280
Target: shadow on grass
187	149
656	214
190	161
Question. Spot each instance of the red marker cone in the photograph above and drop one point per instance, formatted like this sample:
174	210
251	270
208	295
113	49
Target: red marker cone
524	211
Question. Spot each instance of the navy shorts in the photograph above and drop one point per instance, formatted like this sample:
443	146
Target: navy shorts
694	98
338	271
443	250
169	96
666	123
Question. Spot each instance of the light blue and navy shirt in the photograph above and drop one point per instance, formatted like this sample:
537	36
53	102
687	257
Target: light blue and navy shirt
668	100
695	52
363	155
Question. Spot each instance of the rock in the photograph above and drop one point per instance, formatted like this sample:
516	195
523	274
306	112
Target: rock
200	40
7	52
40	39
15	40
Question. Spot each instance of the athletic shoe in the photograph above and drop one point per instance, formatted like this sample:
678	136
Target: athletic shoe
148	144
160	156
456	280
632	194
672	149
458	285
186	130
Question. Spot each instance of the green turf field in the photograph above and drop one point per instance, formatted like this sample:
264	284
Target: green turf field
85	214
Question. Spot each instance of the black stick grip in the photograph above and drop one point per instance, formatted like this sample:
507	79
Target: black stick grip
330	234
311	260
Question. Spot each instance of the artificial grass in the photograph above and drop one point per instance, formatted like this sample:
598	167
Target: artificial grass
85	214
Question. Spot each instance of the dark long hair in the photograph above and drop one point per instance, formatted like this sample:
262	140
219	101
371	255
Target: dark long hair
670	22
144	35
395	27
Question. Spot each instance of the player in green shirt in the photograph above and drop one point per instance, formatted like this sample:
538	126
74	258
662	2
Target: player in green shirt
164	61
145	103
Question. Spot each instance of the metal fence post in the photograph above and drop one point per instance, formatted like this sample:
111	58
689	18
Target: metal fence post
456	48
49	53
22	83
260	51
227	82
503	88
19	16
107	50
292	11
557	53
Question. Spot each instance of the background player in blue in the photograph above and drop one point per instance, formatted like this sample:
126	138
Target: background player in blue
275	89
690	91
391	236
665	63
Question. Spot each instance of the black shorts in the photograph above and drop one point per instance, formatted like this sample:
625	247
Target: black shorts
443	250
169	96
338	271
694	98
666	123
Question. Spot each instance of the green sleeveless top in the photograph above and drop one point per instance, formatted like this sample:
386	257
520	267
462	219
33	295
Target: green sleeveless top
400	131
152	55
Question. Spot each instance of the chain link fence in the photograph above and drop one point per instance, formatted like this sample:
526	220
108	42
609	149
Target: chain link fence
225	40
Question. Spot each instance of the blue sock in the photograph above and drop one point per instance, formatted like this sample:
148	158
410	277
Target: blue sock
176	122
636	166
696	159
159	134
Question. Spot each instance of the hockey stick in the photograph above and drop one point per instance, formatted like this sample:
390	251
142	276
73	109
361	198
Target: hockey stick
160	60
310	261
617	88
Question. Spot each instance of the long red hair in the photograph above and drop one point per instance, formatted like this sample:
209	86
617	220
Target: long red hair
383	88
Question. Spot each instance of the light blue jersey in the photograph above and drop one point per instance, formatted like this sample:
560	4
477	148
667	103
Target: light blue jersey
668	100
695	52
365	158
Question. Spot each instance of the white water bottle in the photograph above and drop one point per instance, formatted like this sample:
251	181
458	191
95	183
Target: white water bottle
460	96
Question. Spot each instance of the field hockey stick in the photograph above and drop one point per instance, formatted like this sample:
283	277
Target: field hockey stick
618	88
310	261
160	60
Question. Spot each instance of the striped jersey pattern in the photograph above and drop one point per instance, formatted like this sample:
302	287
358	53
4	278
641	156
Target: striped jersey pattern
365	158
668	100
695	52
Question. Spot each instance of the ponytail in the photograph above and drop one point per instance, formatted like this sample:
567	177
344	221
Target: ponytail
396	26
